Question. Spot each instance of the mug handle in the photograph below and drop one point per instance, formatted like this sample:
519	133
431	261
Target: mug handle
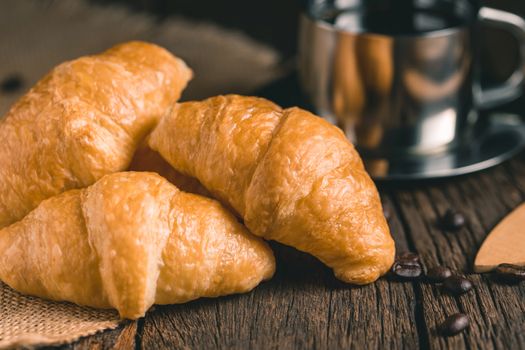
512	87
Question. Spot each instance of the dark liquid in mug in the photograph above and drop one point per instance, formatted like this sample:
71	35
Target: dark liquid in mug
391	22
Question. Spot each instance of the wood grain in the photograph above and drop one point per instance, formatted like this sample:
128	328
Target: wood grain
497	312
305	307
302	307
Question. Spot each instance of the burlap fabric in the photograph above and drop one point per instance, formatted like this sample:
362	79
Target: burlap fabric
27	320
35	35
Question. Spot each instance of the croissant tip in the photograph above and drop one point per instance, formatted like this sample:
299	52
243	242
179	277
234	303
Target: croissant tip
363	275
358	278
130	316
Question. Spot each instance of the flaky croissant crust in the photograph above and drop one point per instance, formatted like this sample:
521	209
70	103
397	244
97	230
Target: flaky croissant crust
292	176
129	241
82	121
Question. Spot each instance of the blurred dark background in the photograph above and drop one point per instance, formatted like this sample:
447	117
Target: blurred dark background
271	21
275	23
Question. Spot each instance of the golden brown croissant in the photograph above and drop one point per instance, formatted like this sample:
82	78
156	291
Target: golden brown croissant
128	241
83	120
292	176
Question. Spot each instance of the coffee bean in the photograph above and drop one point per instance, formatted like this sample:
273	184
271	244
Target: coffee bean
11	83
438	274
453	220
408	256
408	266
457	284
454	324
407	269
510	273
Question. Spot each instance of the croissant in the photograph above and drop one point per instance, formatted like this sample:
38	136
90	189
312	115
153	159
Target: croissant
291	176
82	121
129	241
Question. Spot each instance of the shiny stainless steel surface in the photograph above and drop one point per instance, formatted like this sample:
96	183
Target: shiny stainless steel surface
512	88
400	94
500	137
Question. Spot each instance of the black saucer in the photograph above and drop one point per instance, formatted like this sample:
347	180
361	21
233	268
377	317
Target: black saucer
497	137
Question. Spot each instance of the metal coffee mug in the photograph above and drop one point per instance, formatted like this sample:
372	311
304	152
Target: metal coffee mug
398	93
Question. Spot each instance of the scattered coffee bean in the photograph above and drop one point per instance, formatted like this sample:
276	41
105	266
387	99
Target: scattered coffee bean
408	266
510	273
11	83
457	284
453	220
438	274
407	269
454	324
408	256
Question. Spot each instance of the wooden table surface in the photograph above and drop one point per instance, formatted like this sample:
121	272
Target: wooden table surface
305	307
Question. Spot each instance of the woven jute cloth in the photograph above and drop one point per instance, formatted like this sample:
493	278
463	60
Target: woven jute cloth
28	320
36	35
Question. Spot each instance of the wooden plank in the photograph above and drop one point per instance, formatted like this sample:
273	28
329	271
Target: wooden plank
516	170
303	306
497	312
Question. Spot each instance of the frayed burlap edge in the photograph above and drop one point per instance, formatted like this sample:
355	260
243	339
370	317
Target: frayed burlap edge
31	321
